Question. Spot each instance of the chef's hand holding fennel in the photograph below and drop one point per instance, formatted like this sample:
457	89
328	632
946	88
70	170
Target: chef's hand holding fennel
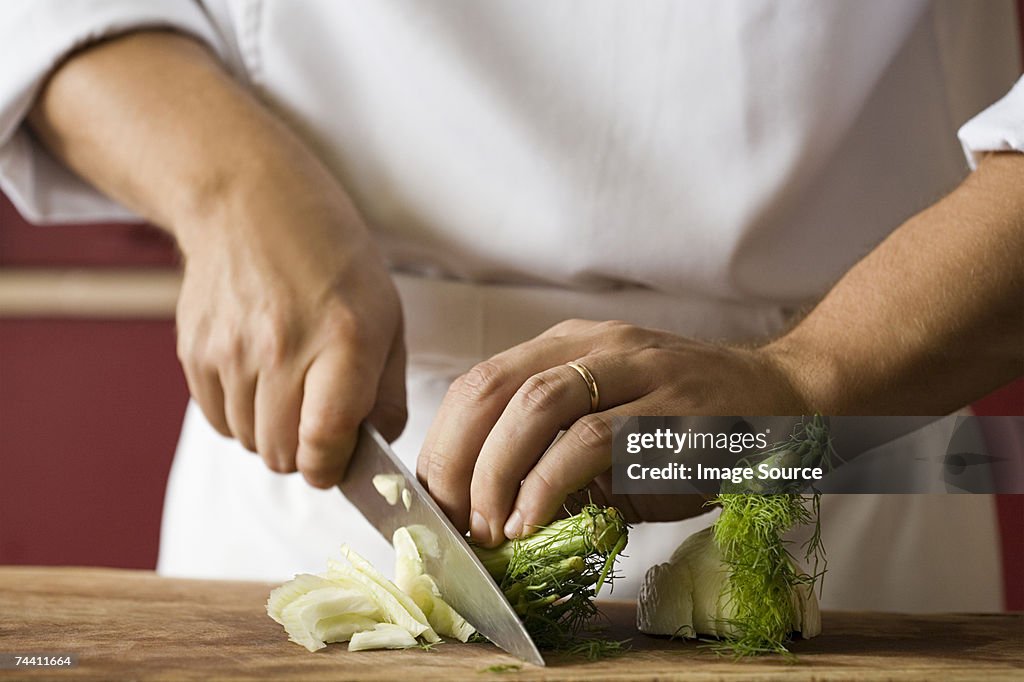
511	407
924	324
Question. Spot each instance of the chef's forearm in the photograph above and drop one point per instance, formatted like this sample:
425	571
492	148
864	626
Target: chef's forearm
931	319
153	120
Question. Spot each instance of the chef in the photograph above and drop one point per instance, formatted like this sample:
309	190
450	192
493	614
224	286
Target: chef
420	213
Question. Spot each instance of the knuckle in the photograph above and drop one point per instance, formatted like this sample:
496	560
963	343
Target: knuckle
652	355
621	332
434	467
344	327
541	493
190	349
273	351
593	432
547	487
279	465
278	458
540	393
566	327
184	348
202	361
187	326
655	368
480	383
319	478
223	350
562	327
423	470
219	426
450	477
325	431
318	469
440	464
273	344
240	424
214	416
322	468
390	419
486	483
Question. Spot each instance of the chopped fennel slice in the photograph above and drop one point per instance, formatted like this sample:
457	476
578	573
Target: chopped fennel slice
349	599
397	606
411	578
284	595
390	486
425	540
341	628
382	636
302	617
443	618
408	562
406	499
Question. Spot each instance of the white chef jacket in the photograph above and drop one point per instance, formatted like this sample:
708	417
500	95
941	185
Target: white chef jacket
701	167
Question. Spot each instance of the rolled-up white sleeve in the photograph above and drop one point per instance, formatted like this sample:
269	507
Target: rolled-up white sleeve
35	35
1000	128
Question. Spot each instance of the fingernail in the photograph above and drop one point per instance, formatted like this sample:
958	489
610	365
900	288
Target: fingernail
479	528
514	525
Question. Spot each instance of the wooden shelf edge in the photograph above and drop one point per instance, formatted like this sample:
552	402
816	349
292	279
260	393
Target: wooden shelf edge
93	293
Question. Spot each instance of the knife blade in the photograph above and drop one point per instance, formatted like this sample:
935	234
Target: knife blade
463	581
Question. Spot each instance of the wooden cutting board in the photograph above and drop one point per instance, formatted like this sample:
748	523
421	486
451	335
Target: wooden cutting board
135	625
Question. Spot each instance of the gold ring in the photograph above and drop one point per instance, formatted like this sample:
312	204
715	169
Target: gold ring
595	395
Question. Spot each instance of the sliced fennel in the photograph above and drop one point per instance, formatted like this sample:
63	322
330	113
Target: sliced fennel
343	627
390	487
398	607
412	579
293	589
311	617
550	578
382	636
349	599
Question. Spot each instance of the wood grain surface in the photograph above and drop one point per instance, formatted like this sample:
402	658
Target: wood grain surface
127	625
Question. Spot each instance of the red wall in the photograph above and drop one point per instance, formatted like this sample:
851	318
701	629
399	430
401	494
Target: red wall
89	417
1010	508
89	409
24	245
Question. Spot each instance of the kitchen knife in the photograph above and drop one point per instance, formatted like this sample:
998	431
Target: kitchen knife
463	581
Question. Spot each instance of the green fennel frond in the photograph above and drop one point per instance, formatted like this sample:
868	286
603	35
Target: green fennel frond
750	536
